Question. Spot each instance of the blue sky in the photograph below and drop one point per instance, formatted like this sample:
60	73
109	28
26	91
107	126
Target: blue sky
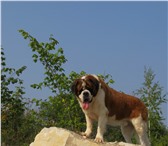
118	38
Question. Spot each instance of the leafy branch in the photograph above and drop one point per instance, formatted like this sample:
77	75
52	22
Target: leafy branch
51	58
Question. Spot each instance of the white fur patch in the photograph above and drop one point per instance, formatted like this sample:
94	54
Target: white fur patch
83	77
95	76
83	84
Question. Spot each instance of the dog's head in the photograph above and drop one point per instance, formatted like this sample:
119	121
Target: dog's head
85	89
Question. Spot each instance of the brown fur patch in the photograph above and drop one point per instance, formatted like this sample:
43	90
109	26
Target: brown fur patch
123	106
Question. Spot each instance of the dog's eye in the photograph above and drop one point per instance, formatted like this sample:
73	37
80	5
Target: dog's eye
90	89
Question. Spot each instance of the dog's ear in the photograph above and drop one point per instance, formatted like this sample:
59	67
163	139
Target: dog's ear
74	86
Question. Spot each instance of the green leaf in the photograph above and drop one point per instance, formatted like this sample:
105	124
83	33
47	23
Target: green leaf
33	86
3	63
20	70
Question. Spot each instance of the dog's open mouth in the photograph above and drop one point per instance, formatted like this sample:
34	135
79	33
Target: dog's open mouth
85	105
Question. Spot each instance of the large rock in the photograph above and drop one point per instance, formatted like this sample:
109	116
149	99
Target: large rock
54	136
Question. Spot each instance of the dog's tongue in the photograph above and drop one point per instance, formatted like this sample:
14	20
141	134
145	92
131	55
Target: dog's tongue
85	106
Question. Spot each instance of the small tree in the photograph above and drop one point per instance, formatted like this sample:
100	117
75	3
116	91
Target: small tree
12	103
61	109
151	95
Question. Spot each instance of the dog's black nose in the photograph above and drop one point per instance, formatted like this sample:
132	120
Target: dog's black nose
86	99
86	94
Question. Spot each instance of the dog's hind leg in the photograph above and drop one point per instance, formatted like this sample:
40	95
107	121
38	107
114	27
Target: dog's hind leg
127	132
141	129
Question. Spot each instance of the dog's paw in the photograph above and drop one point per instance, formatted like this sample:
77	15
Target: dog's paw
99	140
85	135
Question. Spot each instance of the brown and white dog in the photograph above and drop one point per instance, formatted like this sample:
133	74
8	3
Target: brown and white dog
107	106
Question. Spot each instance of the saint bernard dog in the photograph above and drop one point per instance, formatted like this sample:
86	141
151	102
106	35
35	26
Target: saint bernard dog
107	106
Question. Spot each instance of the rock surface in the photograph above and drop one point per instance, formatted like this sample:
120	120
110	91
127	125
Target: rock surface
54	136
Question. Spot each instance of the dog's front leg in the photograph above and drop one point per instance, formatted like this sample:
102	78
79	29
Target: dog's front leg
102	121
89	126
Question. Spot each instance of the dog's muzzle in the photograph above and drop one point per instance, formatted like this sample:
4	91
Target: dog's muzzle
86	100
